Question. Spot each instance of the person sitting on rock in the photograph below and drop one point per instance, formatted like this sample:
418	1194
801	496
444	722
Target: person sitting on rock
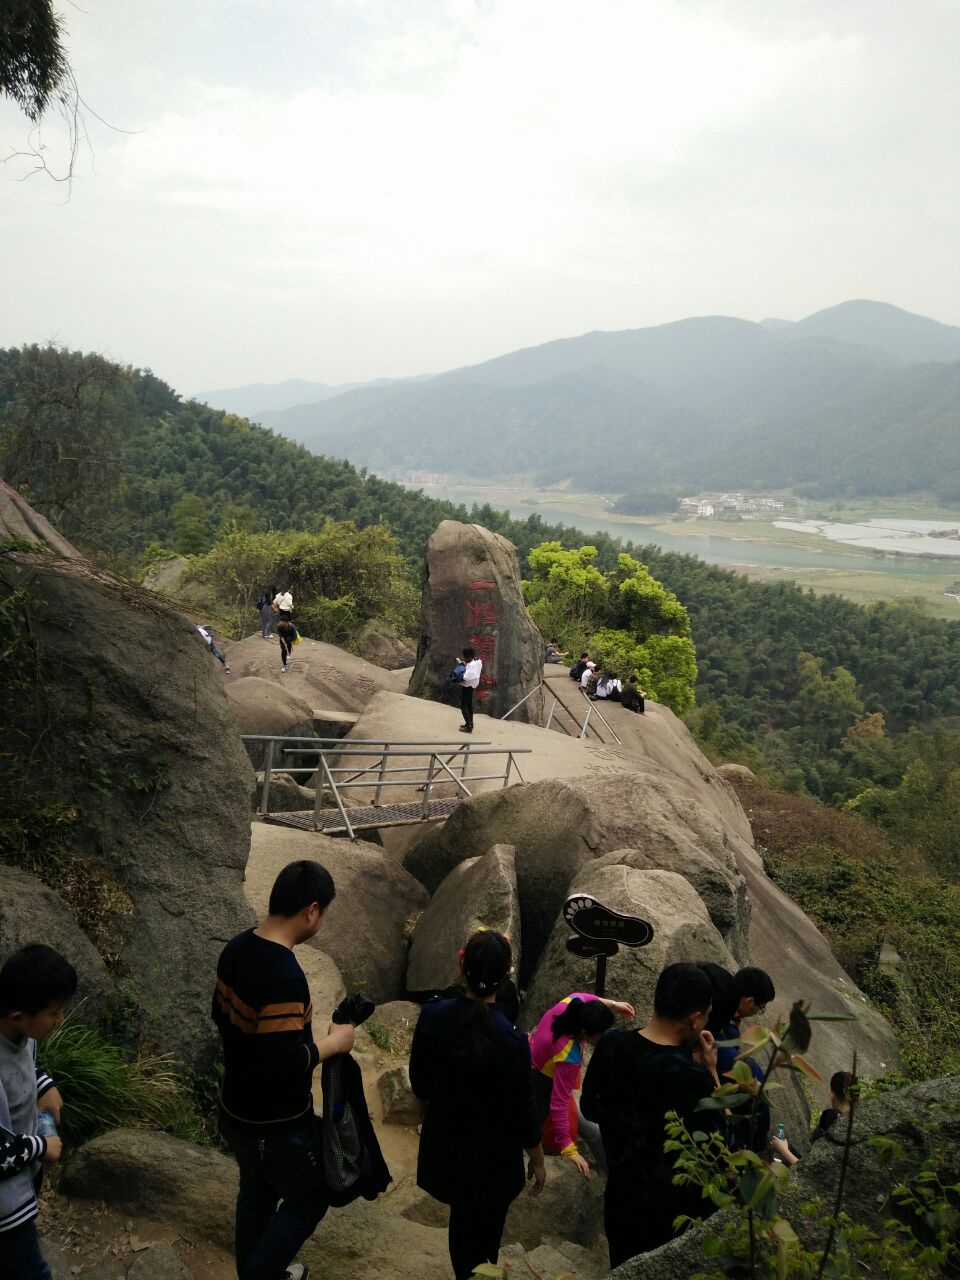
578	668
608	686
556	1051
588	681
841	1085
471	1068
632	696
553	651
634	1079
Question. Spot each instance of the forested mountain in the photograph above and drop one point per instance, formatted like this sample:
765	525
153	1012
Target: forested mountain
814	690
839	402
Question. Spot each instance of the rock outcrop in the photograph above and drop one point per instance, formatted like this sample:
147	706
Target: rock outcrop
472	596
366	928
264	707
30	911
130	730
681	931
478	892
558	826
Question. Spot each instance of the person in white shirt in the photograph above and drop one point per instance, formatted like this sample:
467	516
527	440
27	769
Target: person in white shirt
283	603
471	678
206	634
589	676
608	686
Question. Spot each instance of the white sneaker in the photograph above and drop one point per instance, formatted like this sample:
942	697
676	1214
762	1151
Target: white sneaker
297	1271
227	669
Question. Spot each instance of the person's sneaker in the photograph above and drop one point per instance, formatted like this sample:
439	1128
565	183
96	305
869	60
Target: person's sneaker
297	1271
592	919
464	729
227	669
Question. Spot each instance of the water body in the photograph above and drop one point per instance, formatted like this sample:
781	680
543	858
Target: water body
909	537
711	547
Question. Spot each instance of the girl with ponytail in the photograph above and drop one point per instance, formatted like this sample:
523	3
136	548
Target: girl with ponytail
471	1067
556	1049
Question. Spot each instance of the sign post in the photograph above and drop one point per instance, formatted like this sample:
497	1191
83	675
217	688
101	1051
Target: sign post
600	931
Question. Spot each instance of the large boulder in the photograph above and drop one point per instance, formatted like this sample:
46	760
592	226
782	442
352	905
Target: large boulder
30	911
472	596
681	931
153	1175
324	677
569	1208
131	732
378	643
367	927
786	942
480	891
269	708
557	826
156	1177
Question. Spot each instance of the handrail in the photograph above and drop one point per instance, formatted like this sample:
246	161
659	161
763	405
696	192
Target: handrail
582	729
434	765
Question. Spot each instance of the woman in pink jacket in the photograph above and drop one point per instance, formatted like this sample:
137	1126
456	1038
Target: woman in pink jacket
556	1051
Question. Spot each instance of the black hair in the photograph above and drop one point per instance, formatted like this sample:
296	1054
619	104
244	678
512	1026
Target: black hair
724	996
469	654
299	885
754	982
841	1082
582	1018
34	978
633	679
584	655
681	989
487	963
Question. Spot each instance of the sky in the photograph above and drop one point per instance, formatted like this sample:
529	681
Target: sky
342	190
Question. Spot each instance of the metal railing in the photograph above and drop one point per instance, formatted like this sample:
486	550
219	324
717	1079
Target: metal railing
581	730
438	764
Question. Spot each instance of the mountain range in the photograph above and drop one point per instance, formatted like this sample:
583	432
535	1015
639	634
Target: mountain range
859	398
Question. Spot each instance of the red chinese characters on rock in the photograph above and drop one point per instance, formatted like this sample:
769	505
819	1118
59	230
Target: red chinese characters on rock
482	613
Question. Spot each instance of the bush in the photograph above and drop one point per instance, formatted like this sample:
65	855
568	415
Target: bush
102	1088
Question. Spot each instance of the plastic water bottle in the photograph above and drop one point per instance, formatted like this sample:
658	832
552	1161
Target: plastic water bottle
46	1125
782	1135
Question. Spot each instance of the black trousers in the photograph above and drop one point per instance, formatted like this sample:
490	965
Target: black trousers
476	1229
466	706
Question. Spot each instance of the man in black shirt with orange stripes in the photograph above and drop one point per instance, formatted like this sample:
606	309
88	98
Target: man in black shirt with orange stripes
262	1010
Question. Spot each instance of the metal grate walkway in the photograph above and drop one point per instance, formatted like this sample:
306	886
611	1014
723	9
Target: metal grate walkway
364	819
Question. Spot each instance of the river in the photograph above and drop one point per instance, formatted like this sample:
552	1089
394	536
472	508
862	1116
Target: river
713	548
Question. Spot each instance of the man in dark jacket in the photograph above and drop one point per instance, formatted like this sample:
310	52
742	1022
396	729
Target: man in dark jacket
634	1079
262	1009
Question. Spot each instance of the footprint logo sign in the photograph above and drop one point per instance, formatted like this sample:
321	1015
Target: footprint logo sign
591	919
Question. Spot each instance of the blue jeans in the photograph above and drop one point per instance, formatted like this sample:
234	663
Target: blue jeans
216	653
20	1256
282	1197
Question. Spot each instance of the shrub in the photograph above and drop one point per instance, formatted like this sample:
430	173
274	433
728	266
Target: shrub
102	1088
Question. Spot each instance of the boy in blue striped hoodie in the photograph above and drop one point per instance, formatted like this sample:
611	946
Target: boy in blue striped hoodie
35	984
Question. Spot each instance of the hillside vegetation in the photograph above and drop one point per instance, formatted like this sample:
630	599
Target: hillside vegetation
853	705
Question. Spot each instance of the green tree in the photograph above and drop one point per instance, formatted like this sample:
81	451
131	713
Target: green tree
829	705
191	533
630	622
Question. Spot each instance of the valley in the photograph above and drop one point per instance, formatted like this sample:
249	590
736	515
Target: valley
760	549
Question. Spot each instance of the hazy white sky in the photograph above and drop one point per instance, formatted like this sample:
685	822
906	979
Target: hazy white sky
348	189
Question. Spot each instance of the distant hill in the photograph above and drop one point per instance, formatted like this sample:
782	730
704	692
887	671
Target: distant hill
259	397
847	400
885	328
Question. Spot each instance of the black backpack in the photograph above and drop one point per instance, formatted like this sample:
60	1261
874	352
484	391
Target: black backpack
577	670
